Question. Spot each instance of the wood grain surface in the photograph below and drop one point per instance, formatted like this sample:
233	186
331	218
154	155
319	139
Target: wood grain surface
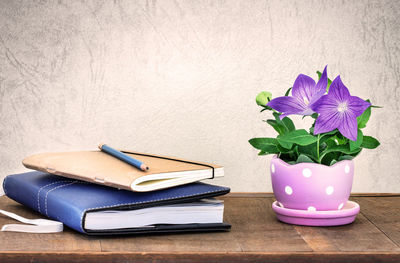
256	236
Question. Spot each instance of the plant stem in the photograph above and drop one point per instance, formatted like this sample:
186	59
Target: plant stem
319	161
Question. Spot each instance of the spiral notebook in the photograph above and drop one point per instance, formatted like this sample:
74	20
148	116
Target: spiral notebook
101	168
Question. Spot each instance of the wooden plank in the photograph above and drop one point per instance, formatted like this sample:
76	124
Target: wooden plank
384	213
172	243
254	228
298	257
361	235
358	236
375	194
256	236
65	241
257	229
201	242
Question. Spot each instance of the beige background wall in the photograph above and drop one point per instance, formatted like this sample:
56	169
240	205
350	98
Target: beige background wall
180	77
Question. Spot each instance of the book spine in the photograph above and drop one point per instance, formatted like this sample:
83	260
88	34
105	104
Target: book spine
40	199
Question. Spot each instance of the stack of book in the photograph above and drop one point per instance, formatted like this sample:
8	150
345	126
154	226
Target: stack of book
95	193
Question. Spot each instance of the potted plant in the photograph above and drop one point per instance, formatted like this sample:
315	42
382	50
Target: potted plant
312	170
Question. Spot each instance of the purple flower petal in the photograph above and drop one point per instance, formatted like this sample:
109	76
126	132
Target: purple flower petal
323	81
339	110
320	88
287	105
304	88
284	115
325	105
307	112
338	90
357	105
348	126
304	93
327	122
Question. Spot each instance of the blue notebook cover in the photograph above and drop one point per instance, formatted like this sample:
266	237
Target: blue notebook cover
68	200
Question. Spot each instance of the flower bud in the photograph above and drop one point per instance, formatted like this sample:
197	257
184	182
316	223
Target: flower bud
263	98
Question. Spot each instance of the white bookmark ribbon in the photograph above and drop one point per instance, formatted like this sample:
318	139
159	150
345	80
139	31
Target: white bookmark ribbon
34	225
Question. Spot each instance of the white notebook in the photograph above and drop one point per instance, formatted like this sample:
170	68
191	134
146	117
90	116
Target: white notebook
200	212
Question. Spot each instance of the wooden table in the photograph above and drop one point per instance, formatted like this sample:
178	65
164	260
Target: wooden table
256	236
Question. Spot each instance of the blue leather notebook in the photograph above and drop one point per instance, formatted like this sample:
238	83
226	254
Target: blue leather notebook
68	201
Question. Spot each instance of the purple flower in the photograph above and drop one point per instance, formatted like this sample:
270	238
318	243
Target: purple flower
304	94
339	110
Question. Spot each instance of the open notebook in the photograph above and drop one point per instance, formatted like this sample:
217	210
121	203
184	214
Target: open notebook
101	168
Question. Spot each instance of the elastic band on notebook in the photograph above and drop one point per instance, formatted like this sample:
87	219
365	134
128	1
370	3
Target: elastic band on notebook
173	159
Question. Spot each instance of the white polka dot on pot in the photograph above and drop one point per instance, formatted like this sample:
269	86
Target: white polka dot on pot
307	172
311	209
347	169
272	168
329	190
288	190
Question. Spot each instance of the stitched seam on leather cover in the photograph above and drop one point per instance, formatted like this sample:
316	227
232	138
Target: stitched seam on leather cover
155	200
45	199
40	189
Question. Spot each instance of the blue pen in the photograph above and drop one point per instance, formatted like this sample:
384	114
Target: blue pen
123	157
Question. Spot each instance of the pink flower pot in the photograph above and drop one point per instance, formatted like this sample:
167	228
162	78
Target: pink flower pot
311	186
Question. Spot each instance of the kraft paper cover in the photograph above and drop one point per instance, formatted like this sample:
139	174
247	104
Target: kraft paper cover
101	168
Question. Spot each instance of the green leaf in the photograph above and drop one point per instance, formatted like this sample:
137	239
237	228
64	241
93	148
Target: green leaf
263	98
287	92
286	122
304	159
266	108
329	133
329	80
280	128
356	144
333	162
345	157
284	144
329	84
279	121
363	118
286	157
277	117
323	135
339	148
337	139
369	142
328	158
289	124
266	145
300	137
309	150
282	149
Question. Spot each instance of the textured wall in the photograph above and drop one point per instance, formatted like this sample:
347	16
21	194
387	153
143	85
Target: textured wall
180	77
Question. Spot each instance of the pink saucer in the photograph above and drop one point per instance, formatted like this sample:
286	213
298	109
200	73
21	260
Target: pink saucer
318	218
